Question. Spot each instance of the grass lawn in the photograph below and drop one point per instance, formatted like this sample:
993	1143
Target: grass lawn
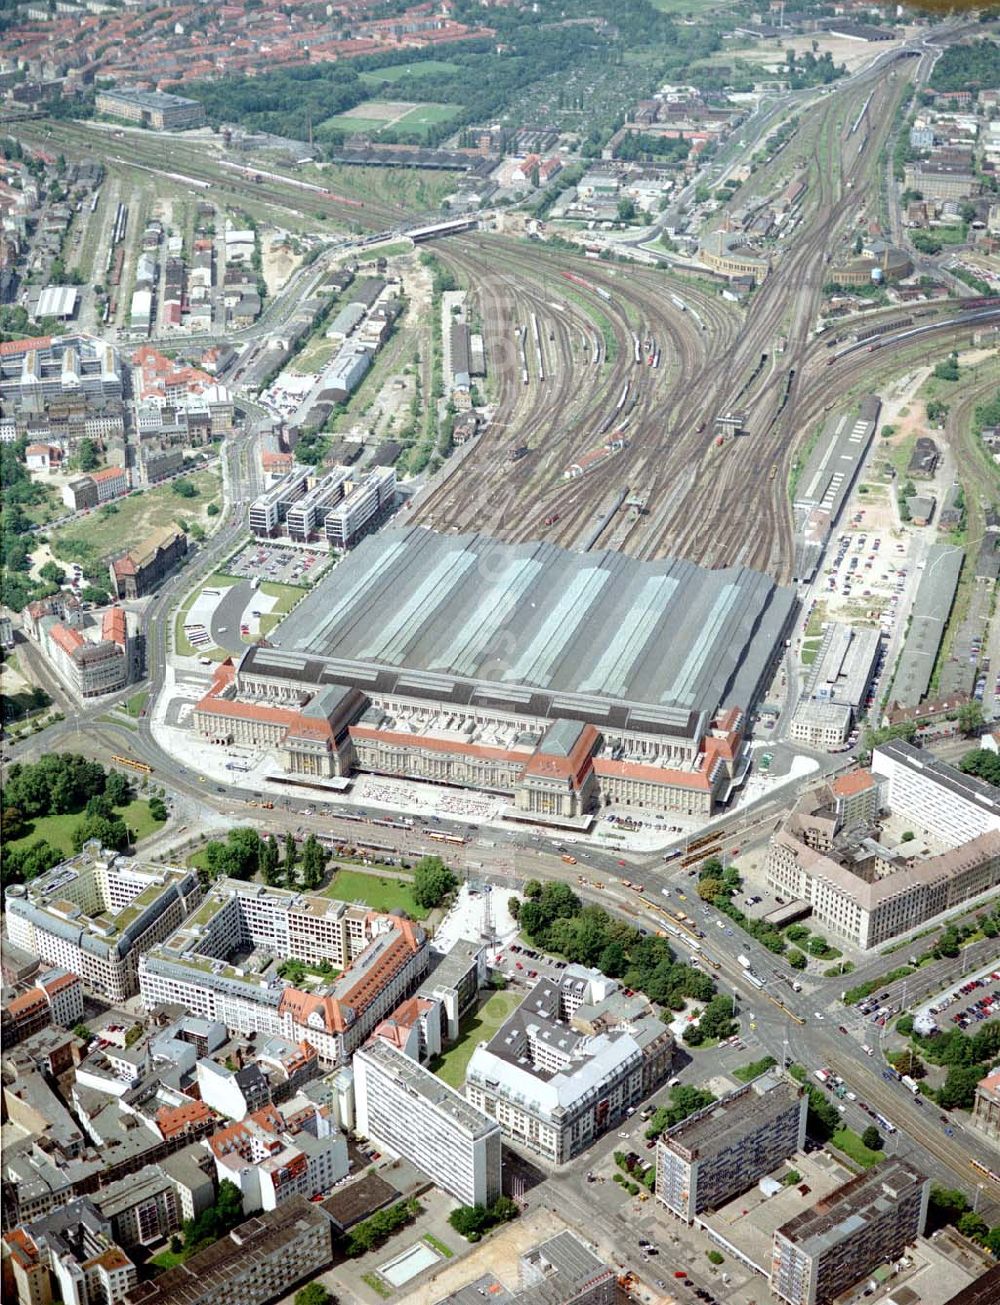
410	187
846	1140
416	120
134	706
437	1245
385	251
397	71
747	1072
58	830
899	454
814	626
287	596
315	355
103	533
381	892
810	648
167	1259
475	1029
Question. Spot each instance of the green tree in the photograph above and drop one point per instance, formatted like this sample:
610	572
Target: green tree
626	210
971	1225
982	763
959	1088
613	960
432	881
710	889
314	1294
872	1138
157	809
238	857
314	859
970	718
117	789
98	805
52	572
944	1206
796	959
111	833
86	458
290	860
948	943
269	861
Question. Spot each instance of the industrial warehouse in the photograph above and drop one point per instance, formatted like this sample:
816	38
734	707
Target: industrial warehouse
565	680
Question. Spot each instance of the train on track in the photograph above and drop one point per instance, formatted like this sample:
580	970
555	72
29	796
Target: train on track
258	175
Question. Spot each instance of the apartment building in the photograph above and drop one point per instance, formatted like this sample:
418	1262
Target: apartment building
259	1261
38	371
941	181
272	1159
721	1151
97	913
69	1255
559	1271
405	1109
305	516
821	724
869	1220
142	1208
570	1063
56	998
383	957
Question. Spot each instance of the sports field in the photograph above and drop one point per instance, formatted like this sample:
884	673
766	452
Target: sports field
476	1028
397	71
374	116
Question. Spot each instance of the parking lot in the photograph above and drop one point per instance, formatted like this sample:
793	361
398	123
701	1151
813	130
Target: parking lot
277	562
869	569
976	999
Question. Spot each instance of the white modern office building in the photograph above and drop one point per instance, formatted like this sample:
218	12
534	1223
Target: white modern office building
953	807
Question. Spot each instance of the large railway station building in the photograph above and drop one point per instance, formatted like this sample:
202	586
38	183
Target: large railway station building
565	681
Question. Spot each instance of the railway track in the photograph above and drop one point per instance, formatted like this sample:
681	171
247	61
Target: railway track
173	163
569	415
717	506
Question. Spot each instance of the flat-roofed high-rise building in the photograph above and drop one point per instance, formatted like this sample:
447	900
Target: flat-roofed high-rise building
721	1151
408	1110
869	1220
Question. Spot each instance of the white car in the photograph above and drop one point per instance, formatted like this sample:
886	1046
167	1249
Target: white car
817	1015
